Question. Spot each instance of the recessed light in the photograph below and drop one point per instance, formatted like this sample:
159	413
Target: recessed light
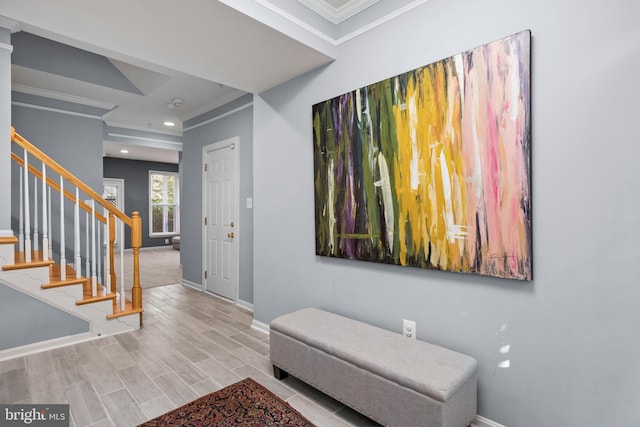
123	151
170	124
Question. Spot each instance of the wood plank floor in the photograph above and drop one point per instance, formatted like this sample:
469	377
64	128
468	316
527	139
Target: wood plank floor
192	344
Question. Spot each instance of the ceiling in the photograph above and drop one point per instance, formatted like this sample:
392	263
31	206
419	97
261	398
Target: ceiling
203	56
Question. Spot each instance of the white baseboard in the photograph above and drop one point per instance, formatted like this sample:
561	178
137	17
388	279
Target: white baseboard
259	326
194	285
245	305
37	347
240	303
480	421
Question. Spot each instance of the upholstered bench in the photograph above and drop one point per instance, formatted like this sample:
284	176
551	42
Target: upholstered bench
394	380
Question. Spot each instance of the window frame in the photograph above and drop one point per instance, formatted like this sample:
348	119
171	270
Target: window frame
176	205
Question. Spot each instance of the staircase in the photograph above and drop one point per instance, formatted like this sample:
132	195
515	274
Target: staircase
28	261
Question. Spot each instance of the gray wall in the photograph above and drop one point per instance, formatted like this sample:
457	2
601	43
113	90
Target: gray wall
572	332
136	192
73	141
225	123
29	320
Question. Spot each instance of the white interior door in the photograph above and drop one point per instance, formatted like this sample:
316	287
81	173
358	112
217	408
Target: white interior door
220	204
114	193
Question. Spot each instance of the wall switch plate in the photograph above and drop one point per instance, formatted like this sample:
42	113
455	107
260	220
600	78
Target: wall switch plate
249	203
409	328
166	241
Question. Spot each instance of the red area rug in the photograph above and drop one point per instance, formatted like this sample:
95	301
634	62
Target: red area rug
245	403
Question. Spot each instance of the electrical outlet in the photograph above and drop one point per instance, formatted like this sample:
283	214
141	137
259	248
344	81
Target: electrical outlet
166	241
409	328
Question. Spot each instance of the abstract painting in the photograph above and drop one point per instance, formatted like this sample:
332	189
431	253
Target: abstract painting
431	168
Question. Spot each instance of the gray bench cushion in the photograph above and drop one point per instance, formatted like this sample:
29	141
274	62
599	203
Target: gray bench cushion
425	368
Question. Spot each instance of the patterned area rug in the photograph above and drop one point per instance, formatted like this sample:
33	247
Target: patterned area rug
245	403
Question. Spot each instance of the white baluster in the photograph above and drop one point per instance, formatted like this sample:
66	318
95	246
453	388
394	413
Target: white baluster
121	267
76	237
87	257
27	215
49	219
63	259
45	229
36	235
99	253
107	257
21	218
94	279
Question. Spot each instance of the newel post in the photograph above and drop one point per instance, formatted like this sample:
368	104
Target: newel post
136	243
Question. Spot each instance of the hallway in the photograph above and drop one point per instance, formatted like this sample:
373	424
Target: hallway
191	344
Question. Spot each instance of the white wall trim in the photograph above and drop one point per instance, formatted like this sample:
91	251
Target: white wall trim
480	421
380	21
347	37
37	347
6	46
6	233
245	305
337	15
30	90
259	326
56	110
111	124
169	145
223	115
194	285
300	23
10	24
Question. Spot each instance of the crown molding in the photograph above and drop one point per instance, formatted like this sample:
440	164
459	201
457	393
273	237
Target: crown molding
148	141
299	22
128	126
218	117
359	3
409	7
10	24
30	90
337	15
56	110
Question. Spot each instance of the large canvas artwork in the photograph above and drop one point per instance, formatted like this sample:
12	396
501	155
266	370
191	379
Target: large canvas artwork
431	168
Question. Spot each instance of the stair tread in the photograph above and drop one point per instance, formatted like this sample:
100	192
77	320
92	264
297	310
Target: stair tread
128	308
20	261
55	278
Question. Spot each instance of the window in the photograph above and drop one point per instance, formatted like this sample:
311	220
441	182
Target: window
164	206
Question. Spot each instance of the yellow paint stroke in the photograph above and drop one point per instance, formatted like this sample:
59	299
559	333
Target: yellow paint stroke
428	169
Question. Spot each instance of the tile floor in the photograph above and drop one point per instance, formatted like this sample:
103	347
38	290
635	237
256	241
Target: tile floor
192	344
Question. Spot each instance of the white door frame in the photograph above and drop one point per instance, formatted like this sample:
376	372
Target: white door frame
116	182
235	142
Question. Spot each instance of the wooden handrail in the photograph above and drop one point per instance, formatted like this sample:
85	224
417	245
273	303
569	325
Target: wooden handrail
134	222
35	151
56	187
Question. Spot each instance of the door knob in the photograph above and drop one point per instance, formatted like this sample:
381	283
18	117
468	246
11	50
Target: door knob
230	235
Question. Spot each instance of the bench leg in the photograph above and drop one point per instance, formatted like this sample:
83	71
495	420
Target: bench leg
279	373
